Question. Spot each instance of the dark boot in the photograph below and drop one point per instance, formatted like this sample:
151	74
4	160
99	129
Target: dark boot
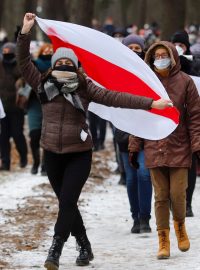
34	169
136	226
144	226
122	180
52	261
189	212
84	246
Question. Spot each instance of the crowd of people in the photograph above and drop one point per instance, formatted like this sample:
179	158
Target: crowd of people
51	89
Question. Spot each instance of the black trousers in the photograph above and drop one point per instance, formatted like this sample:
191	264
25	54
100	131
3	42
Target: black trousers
67	174
12	126
97	128
35	135
192	175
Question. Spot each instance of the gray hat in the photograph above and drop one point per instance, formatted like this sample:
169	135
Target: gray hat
11	46
64	53
133	39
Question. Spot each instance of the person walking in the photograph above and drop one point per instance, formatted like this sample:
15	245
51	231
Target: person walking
65	95
138	181
169	159
12	124
34	111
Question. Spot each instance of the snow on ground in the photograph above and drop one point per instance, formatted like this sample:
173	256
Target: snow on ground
105	210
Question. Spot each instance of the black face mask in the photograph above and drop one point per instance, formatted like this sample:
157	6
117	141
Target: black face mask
140	54
65	68
8	56
45	57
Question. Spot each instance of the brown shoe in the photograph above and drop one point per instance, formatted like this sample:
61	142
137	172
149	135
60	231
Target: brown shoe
164	244
181	234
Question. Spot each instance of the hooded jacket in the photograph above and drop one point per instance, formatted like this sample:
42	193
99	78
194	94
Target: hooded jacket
176	149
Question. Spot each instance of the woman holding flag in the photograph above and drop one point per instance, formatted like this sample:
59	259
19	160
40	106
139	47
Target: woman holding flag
65	95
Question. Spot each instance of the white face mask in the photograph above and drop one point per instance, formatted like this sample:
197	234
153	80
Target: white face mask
179	50
119	39
162	63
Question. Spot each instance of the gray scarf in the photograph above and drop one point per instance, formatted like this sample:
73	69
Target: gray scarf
66	83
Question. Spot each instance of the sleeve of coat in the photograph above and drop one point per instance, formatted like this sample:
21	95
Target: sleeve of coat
29	72
135	144
116	99
193	110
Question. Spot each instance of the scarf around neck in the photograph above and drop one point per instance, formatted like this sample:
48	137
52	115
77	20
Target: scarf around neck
64	83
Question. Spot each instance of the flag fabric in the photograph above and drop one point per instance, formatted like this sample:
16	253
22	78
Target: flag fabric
196	82
2	113
114	66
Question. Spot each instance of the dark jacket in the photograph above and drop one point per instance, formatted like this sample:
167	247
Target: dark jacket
62	123
176	149
9	74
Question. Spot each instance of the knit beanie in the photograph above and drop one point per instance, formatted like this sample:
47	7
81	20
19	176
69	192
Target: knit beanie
11	46
64	53
133	39
181	37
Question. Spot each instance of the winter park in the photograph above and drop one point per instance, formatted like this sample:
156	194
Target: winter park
99	134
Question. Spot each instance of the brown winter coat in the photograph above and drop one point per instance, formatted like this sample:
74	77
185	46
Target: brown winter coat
62	123
176	149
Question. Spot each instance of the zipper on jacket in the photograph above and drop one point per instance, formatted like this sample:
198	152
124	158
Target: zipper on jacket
61	127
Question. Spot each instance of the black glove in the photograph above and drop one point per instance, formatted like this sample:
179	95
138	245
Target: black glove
197	153
133	160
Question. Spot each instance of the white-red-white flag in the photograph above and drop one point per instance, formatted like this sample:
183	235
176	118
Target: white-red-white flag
115	67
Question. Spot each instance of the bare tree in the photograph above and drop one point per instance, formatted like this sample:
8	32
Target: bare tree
1	11
83	11
192	11
173	17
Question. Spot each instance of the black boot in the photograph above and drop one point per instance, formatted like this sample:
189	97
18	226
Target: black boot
144	225
189	212
52	261
85	255
136	226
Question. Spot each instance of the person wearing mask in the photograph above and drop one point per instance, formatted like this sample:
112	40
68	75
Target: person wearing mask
12	124
34	111
188	65
65	95
170	158
138	181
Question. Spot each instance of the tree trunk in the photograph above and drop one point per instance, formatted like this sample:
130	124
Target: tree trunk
83	11
192	12
173	17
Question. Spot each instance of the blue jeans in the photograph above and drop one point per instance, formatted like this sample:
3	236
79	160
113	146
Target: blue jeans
139	187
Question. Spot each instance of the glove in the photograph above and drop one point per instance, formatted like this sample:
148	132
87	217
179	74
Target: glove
197	153
133	160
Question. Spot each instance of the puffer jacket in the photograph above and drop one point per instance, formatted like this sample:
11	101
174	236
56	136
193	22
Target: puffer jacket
176	149
62	123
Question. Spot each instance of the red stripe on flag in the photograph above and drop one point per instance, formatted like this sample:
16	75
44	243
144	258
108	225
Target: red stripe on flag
113	77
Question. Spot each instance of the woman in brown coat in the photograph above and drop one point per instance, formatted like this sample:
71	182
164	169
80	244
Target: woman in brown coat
65	95
170	158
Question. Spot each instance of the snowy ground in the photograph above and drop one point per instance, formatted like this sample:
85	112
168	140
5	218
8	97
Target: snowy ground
28	211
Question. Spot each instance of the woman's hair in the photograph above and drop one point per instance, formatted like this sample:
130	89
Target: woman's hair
43	48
